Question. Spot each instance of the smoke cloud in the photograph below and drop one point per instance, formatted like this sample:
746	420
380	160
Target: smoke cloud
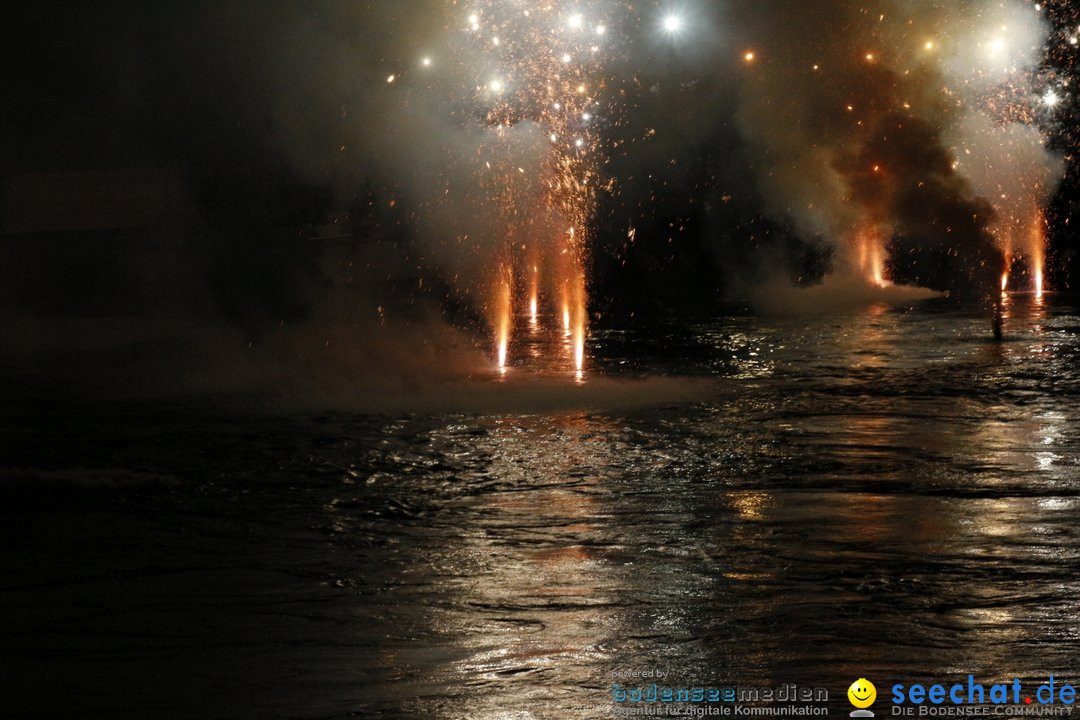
892	137
900	125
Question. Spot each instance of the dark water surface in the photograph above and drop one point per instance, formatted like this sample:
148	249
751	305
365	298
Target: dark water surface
884	494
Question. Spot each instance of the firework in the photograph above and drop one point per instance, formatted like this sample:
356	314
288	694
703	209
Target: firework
921	124
538	72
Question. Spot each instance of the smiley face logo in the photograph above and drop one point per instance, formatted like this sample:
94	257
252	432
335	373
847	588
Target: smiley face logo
862	693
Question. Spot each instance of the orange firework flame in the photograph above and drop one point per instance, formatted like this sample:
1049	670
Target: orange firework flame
503	317
534	297
1005	273
1037	249
578	320
872	256
566	313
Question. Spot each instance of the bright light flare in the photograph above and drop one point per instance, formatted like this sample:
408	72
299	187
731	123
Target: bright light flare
996	48
672	24
1050	99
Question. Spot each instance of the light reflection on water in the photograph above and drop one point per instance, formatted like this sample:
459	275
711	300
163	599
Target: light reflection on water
885	494
869	513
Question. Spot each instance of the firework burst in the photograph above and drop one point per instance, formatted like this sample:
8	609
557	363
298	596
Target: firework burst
538	87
